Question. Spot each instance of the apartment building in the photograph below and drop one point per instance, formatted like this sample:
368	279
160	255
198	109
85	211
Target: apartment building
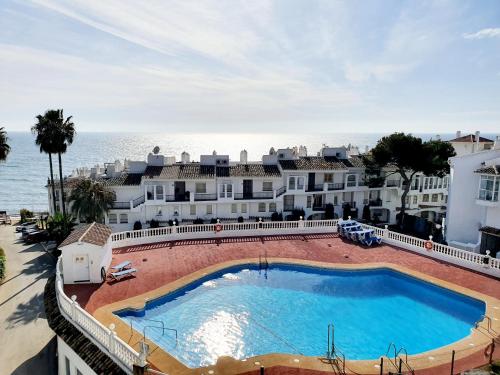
163	189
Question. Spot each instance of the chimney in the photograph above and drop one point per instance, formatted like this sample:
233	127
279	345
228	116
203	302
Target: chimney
243	157
185	158
438	137
459	134
496	145
477	141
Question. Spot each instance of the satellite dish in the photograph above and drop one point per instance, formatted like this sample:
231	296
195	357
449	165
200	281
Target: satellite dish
156	150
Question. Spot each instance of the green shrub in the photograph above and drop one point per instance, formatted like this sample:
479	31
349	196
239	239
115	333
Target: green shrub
25	215
2	264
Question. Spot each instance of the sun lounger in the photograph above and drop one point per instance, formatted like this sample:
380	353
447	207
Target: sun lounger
121	266
372	240
118	275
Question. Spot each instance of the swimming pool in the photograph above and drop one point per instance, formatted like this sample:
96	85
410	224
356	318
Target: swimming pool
242	311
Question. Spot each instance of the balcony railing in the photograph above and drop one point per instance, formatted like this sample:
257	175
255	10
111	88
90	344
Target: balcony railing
205	197
254	195
177	198
336	186
375	202
120	205
138	201
317	187
281	191
392	183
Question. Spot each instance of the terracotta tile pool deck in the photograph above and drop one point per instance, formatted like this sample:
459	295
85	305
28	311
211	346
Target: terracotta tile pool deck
162	263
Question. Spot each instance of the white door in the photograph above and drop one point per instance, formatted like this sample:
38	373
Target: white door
81	268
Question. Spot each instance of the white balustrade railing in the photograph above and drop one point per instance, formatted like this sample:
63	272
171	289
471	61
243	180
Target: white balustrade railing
193	231
107	341
463	258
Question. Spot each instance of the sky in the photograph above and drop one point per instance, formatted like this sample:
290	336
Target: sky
252	66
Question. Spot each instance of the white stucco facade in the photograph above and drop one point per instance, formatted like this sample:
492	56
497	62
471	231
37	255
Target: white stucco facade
468	211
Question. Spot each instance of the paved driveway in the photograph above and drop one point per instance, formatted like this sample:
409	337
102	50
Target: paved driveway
27	342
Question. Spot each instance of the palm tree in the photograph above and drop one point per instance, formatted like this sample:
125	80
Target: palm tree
90	200
65	133
44	131
4	147
54	135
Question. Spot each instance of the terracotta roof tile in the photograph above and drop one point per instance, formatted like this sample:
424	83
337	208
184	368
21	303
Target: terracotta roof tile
249	170
189	171
125	179
491	169
95	233
88	352
313	163
471	138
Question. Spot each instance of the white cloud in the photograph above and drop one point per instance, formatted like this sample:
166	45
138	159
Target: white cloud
484	33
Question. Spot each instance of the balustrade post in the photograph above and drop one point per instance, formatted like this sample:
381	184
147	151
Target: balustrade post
386	232
174	228
487	259
301	222
112	338
73	307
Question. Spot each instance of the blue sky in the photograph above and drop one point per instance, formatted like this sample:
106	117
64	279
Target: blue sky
252	66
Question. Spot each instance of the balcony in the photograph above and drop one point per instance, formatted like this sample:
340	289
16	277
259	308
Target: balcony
254	195
317	187
336	186
177	198
205	197
120	206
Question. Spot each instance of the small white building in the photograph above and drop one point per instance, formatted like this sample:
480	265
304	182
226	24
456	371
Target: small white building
86	254
468	144
473	217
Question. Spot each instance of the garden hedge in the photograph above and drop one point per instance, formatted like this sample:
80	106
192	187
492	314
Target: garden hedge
2	264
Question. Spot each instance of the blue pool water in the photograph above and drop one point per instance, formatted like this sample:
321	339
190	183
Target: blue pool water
242	312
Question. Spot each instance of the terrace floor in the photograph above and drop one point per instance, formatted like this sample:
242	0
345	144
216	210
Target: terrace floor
162	263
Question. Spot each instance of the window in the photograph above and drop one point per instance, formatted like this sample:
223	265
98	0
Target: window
123	219
272	207
425	198
296	183
488	188
435	197
150	195
267	186
289	202
112	218
226	190
201	187
159	192
209	209
426	183
234	208
415	199
351	180
309	201
407	199
335	200
192	209
445	182
328	177
243	208
68	366
262	207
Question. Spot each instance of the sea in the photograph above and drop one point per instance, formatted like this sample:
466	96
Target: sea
23	177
